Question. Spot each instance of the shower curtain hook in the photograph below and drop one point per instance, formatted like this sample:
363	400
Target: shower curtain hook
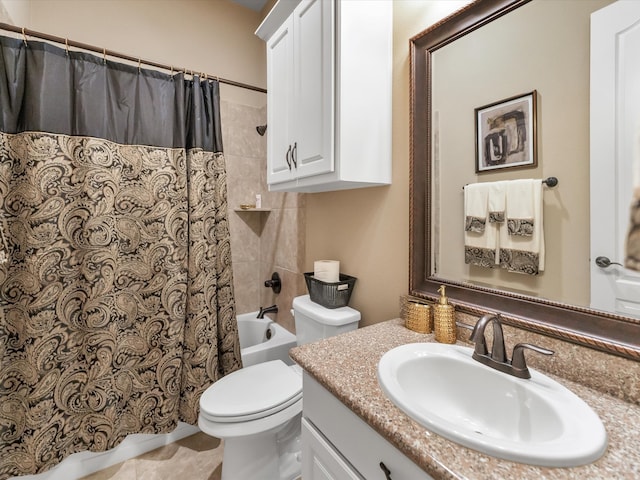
104	55
171	73
66	45
24	38
139	62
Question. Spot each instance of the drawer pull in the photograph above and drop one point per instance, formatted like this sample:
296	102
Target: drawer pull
387	472
294	154
286	157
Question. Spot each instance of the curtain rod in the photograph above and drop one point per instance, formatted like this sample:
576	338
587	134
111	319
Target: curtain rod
71	43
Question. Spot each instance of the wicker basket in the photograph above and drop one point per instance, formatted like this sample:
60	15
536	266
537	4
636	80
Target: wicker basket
330	294
418	317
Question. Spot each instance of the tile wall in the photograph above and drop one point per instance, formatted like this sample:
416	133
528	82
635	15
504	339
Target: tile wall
261	242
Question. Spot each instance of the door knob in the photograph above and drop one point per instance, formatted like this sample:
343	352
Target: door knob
604	262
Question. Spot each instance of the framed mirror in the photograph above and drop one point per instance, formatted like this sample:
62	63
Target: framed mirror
545	303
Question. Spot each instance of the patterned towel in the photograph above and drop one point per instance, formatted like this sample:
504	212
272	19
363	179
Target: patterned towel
522	247
479	237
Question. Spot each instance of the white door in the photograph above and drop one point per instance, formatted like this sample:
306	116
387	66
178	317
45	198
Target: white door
615	125
313	89
280	104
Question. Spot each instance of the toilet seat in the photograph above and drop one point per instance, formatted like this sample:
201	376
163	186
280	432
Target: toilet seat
252	393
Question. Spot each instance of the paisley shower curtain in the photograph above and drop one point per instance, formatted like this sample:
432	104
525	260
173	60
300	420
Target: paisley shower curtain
116	297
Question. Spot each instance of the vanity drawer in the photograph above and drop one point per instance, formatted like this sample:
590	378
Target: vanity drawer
357	442
321	461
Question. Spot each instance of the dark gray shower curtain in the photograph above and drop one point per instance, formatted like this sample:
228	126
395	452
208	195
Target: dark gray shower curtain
116	303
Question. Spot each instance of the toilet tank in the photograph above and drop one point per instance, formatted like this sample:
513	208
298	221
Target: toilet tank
313	321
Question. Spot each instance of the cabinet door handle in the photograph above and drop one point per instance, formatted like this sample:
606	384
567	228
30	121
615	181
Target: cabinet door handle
294	154
387	472
286	157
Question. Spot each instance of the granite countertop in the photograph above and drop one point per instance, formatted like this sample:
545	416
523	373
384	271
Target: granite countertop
346	365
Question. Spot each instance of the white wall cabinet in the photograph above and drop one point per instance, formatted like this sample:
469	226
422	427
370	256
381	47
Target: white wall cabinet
299	78
338	445
329	94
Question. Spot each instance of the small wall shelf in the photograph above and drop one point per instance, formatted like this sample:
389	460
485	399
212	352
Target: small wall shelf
253	221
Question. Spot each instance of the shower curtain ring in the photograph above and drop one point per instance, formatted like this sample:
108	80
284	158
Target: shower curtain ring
104	55
139	62
24	38
66	45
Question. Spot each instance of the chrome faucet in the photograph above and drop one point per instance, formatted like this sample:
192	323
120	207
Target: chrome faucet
497	358
263	310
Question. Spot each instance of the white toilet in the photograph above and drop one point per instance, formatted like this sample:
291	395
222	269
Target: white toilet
257	410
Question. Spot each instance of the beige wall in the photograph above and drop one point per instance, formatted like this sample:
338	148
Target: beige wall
556	65
261	242
15	12
215	37
368	229
211	36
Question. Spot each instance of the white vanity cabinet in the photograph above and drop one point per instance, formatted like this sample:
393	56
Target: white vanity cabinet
338	445
328	94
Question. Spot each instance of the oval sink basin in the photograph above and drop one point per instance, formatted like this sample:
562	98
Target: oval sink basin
535	421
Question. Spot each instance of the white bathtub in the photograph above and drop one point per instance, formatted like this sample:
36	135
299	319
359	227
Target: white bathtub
260	340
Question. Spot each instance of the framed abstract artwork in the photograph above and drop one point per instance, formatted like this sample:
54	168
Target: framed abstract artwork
506	134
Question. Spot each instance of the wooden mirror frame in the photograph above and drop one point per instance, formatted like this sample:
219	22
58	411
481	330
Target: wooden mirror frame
603	331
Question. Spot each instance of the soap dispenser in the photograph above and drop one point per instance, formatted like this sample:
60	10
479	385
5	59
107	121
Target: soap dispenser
444	322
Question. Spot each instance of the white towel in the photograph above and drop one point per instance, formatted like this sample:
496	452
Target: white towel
520	206
480	238
475	207
521	244
497	196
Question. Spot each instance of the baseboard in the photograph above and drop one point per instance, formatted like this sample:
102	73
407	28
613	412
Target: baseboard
82	464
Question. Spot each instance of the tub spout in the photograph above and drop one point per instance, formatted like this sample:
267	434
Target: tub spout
271	309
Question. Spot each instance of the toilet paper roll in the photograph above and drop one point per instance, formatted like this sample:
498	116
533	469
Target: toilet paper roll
327	270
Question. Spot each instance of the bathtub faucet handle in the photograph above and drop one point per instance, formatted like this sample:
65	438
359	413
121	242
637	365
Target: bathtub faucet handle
275	284
271	309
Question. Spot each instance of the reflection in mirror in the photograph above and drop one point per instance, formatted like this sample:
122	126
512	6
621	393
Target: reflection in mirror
615	158
507	57
539	46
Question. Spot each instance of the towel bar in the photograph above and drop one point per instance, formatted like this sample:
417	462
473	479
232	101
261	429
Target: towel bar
549	182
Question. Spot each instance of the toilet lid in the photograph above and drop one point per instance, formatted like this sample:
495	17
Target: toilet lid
252	392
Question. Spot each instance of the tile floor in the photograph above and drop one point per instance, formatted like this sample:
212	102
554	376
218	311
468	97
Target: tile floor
198	457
